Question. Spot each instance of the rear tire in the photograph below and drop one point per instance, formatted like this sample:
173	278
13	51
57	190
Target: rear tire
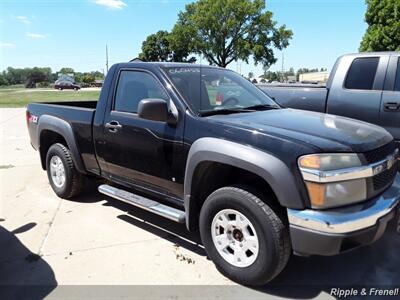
64	179
249	219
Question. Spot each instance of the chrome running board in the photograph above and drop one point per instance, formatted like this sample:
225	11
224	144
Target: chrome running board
144	203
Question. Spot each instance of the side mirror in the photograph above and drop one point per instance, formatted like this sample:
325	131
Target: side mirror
155	110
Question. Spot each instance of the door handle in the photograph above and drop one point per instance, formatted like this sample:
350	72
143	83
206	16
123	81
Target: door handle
113	126
392	106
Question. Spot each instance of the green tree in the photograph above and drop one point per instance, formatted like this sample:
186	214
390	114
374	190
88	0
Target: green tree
66	71
3	79
160	47
383	32
88	78
36	75
78	76
97	75
224	31
156	47
271	76
16	75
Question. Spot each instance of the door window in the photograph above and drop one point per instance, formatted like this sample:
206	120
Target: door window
397	82
134	86
362	73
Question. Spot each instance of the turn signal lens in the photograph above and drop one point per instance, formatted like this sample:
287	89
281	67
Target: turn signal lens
326	195
316	192
310	161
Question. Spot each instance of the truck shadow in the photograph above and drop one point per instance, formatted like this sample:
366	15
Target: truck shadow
23	274
376	265
304	277
174	232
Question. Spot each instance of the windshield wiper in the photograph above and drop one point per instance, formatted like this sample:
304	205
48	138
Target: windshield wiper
222	111
262	107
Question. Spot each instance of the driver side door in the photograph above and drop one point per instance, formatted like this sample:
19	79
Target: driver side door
138	152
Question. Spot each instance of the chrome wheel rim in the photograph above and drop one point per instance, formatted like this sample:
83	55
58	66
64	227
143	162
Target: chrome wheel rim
57	171
235	238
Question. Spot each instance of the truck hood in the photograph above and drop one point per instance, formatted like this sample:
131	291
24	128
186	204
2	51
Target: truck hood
324	131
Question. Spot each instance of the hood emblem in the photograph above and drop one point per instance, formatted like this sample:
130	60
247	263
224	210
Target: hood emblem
387	164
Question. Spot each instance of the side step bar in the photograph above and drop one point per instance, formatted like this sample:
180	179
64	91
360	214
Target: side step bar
144	203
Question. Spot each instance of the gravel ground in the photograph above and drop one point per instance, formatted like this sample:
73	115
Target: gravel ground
95	240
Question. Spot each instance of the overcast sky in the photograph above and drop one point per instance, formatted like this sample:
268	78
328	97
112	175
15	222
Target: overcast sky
74	33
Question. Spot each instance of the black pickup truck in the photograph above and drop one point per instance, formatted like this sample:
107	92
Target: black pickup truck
259	182
363	86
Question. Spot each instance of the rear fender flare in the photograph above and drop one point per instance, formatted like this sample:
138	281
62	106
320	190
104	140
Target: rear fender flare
64	129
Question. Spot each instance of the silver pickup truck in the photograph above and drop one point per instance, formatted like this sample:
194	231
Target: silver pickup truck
364	86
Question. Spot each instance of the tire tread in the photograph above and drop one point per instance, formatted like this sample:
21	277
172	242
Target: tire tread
76	177
279	229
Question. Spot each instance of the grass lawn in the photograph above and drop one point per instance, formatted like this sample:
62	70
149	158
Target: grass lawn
20	97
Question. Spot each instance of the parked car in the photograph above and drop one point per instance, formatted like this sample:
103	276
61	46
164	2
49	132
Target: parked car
66	85
364	86
258	181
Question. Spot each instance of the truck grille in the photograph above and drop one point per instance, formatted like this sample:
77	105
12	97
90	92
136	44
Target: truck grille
385	178
380	153
382	180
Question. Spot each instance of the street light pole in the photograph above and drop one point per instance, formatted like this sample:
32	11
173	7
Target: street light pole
106	58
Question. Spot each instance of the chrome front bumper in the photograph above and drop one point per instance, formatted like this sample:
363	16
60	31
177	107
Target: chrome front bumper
328	230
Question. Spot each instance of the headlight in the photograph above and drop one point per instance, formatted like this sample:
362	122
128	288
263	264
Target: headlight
333	179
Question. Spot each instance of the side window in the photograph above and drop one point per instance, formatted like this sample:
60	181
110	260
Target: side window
397	82
134	86
362	72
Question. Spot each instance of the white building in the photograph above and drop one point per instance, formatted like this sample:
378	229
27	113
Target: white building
314	77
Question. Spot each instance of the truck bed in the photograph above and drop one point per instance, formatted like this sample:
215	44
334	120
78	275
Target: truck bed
300	96
78	114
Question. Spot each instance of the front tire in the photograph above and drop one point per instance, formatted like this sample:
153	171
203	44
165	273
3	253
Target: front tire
244	237
64	179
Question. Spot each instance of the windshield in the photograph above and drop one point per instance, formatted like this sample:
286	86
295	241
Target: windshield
208	90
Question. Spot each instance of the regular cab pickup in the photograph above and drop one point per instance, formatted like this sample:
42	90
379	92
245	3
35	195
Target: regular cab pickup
363	86
203	146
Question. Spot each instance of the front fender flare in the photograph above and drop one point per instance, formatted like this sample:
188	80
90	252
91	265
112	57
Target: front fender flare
274	171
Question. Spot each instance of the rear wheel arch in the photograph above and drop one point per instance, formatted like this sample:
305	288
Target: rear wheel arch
52	130
46	140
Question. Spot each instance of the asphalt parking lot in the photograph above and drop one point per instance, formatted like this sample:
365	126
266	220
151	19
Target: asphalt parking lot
96	240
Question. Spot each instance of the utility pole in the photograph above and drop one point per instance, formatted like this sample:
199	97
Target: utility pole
106	58
283	66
